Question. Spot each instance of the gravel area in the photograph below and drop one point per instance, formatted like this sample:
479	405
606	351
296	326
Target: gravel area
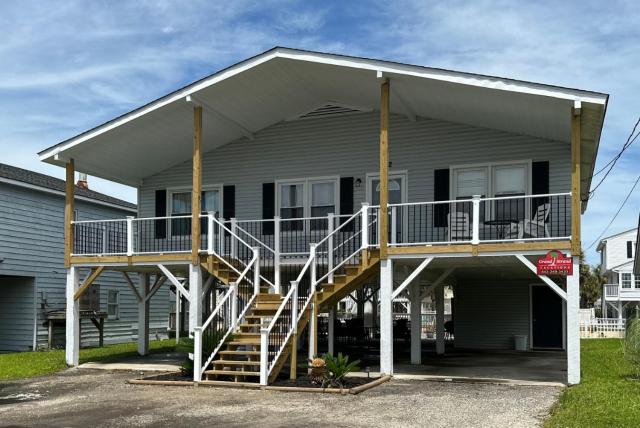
98	398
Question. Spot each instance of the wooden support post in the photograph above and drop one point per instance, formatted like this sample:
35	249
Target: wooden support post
197	185
293	372
416	322
575	182
143	315
440	320
95	273
384	168
68	212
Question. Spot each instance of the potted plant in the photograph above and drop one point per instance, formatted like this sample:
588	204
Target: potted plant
318	370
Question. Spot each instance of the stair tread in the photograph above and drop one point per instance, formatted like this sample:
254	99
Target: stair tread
232	372
230	352
247	342
238	362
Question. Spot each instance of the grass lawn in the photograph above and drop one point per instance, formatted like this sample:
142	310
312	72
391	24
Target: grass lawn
606	397
28	364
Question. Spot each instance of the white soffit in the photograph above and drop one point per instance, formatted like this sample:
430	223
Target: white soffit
283	83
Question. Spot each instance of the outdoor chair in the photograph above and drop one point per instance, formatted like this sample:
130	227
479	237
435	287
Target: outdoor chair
458	222
531	228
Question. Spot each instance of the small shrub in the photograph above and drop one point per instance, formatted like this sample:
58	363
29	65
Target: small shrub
631	344
337	368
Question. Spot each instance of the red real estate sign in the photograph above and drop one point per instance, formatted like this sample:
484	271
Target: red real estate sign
555	263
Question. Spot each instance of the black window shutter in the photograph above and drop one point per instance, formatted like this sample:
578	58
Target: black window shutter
268	206
539	184
160	226
229	202
629	249
440	193
346	200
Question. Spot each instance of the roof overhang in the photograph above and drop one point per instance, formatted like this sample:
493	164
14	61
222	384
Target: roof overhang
282	83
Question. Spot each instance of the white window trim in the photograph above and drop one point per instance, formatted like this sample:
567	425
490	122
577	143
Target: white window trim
402	174
172	190
306	192
116	304
490	173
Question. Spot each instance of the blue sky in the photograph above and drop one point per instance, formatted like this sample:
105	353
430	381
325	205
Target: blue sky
70	67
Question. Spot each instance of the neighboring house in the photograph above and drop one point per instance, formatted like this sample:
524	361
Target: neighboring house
636	261
621	293
32	271
294	172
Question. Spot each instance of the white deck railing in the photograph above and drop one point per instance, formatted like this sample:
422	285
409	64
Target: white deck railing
602	327
467	221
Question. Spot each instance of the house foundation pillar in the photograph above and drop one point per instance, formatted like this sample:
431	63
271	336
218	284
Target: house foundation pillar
143	315
573	324
72	345
386	317
416	322
439	292
195	300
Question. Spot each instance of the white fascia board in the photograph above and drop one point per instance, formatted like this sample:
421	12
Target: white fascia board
504	84
60	193
376	66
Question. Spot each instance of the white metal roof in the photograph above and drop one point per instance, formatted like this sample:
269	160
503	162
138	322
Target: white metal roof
282	83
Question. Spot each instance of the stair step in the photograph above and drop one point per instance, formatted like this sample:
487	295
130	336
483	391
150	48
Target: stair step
253	342
236	363
265	297
231	373
256	317
229	352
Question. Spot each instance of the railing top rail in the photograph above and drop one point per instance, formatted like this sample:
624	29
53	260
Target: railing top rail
337	229
259	242
545	195
217	309
161	218
215	220
111	220
305	268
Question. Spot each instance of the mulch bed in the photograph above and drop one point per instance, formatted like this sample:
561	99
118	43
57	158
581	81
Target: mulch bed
305	382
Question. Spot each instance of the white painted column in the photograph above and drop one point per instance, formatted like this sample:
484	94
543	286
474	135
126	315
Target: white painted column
573	327
439	292
72	349
143	315
331	338
178	315
195	300
619	309
386	317
416	322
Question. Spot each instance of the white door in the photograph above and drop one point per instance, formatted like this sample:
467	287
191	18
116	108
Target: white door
397	195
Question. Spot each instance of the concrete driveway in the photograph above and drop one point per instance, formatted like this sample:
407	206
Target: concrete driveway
98	398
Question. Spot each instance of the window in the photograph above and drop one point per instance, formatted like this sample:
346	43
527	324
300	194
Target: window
292	205
180	205
493	181
626	280
629	249
113	304
306	198
510	180
636	281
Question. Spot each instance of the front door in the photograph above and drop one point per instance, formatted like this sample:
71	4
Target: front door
546	318
397	195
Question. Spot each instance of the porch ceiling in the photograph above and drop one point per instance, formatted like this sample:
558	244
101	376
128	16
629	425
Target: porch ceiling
283	83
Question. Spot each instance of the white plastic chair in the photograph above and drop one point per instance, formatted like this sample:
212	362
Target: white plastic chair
533	228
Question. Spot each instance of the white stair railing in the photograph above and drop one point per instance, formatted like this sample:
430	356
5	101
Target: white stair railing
275	337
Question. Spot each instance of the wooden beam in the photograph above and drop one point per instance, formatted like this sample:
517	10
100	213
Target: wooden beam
131	286
131	260
411	277
68	212
156	286
482	248
197	185
575	181
293	363
87	282
384	168
437	282
175	282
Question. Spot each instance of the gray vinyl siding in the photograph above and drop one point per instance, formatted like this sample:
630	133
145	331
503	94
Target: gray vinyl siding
16	329
32	246
348	146
488	314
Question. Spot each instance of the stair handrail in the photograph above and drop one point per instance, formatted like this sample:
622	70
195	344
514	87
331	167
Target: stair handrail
230	294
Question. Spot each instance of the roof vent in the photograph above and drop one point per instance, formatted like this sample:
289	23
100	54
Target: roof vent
331	109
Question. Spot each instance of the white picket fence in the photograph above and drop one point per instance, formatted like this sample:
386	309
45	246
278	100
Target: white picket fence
602	328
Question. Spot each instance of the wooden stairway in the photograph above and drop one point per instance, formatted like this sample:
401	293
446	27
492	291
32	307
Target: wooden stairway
355	276
239	359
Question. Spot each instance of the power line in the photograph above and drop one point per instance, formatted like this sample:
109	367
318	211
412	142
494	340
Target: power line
617	212
611	164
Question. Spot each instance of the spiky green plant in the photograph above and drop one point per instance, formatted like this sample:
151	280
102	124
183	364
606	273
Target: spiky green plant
631	344
337	368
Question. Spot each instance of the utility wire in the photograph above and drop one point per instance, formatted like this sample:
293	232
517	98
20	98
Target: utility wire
617	212
611	164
